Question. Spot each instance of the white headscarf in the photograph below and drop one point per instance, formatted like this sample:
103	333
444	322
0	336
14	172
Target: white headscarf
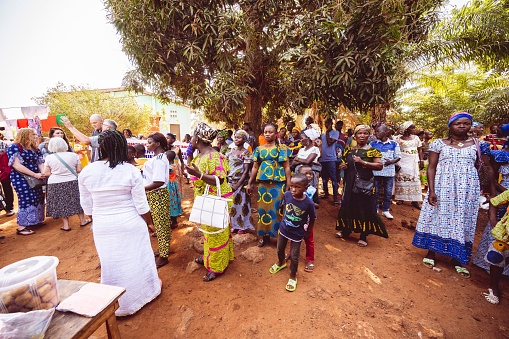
312	134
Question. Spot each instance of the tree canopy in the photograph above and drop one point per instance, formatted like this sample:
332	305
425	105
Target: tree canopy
78	103
462	67
239	59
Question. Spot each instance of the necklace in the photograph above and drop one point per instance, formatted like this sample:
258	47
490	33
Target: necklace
460	144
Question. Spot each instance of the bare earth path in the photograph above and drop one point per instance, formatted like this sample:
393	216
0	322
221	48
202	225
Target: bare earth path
381	291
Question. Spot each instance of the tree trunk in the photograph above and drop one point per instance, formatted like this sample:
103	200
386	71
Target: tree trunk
254	106
379	113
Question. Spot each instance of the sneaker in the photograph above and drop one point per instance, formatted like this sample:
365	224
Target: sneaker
9	213
388	215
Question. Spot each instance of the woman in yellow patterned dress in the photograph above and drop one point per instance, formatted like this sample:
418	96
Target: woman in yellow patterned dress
217	248
271	168
358	210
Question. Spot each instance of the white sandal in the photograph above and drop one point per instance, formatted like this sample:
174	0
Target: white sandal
362	243
490	297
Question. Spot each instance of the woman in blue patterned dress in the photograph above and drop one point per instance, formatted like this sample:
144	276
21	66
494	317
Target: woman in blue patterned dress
271	168
240	160
24	157
449	213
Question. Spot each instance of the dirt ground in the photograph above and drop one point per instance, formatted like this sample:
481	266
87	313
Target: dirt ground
381	291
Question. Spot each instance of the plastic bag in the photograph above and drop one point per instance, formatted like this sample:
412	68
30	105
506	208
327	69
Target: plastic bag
29	325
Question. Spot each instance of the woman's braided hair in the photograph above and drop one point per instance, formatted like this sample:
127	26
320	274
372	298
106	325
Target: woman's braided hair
113	145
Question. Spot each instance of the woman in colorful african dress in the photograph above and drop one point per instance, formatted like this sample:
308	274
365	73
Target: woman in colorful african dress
240	160
25	158
407	180
500	164
204	168
271	169
358	211
448	217
155	178
174	189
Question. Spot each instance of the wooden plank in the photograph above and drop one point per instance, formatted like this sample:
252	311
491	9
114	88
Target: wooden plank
71	325
112	326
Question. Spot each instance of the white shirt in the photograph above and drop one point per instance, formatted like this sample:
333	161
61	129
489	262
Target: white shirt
59	172
156	169
304	154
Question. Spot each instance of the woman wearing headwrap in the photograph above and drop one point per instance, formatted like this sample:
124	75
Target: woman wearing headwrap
407	179
449	213
240	160
309	153
358	211
208	164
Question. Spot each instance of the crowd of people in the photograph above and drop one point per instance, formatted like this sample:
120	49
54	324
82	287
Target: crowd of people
369	169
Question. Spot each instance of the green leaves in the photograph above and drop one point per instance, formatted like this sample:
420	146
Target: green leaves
78	103
271	57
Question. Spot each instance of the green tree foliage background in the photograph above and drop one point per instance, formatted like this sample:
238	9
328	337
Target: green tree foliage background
78	103
241	59
464	66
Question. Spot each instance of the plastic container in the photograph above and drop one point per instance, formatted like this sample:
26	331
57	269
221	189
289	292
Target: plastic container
29	284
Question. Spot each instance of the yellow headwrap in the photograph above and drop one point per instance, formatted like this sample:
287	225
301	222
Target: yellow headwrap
359	127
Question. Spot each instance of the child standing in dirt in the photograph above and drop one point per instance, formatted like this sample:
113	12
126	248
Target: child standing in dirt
498	252
298	221
312	193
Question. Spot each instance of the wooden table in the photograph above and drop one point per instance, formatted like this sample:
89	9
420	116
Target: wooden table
71	325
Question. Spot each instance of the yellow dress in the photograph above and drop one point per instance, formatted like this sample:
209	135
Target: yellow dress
217	248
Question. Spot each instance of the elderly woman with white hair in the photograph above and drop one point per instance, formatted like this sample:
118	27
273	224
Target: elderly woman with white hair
62	193
240	160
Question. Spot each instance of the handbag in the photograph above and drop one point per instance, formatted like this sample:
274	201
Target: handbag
482	169
34	183
66	165
211	210
362	185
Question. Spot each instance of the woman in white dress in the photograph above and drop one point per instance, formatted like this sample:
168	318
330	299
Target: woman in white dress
407	180
112	191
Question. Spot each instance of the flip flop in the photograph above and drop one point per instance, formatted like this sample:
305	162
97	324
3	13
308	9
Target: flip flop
429	263
462	271
209	276
276	268
199	260
160	264
25	231
309	267
291	285
490	297
65	229
87	221
362	243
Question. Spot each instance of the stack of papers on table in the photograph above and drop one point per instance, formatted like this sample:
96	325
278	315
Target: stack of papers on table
91	299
